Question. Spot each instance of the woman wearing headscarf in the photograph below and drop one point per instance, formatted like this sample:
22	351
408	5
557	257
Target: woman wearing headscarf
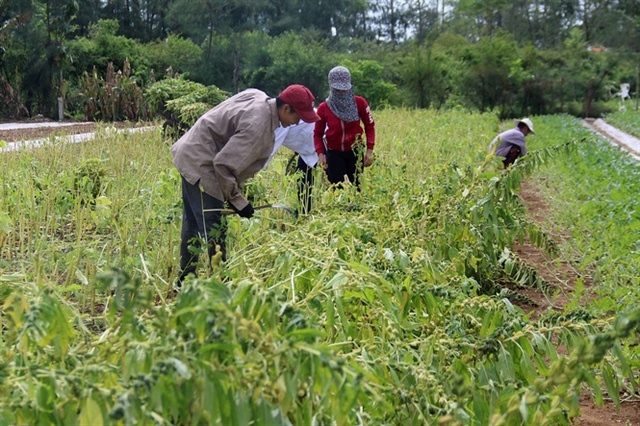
339	133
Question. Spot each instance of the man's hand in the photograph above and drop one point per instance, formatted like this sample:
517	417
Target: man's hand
368	158
322	161
245	212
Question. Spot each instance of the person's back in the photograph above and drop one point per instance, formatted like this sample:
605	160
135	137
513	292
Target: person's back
512	143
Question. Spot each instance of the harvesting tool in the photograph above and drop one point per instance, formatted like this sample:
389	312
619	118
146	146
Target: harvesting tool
227	212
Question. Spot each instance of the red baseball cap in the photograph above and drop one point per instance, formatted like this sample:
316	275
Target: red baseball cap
301	99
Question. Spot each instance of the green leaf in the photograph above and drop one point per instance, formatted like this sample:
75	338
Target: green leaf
181	368
337	281
90	414
306	333
612	385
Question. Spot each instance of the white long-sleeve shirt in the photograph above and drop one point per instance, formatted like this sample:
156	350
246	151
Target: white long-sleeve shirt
298	138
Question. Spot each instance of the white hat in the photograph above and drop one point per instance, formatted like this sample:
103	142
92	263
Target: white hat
528	123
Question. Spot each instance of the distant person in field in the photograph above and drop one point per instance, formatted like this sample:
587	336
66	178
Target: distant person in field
512	142
299	139
338	135
226	146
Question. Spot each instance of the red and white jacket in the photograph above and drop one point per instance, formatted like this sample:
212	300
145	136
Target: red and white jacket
340	135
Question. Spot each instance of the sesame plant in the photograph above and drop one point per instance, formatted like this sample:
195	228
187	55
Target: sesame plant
396	304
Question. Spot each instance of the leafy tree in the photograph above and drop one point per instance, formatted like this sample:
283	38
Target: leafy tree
351	20
201	20
423	19
392	19
154	14
103	46
368	81
423	75
323	15
616	25
89	12
175	52
293	58
128	15
589	73
10	102
41	51
487	83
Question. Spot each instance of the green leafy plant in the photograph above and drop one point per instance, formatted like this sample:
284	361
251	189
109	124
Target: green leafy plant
182	102
395	304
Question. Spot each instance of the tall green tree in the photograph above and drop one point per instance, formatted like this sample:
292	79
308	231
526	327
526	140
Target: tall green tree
488	64
392	19
89	12
42	43
10	97
352	20
127	13
423	75
424	19
201	20
293	58
102	46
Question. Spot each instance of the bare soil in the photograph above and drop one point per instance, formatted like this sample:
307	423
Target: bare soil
556	271
561	273
18	135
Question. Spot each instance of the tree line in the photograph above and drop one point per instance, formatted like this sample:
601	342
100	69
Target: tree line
524	57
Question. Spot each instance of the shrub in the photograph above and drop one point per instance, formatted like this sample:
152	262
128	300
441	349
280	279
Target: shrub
116	97
181	102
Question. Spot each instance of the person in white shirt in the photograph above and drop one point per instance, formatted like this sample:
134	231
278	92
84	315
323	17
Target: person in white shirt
299	138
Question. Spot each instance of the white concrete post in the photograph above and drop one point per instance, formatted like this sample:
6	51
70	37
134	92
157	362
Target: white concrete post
60	108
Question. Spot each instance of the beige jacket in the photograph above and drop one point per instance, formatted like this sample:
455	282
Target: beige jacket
229	144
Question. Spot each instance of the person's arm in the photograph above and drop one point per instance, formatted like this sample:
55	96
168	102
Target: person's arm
369	131
318	135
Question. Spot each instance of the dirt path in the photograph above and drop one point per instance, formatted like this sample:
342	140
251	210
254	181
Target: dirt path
26	131
33	134
561	274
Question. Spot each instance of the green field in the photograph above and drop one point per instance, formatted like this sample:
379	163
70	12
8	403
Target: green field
399	304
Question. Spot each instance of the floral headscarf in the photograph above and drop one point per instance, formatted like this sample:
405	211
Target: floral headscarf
341	100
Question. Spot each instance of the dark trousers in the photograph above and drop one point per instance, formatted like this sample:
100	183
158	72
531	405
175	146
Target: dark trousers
342	163
304	186
199	225
511	157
